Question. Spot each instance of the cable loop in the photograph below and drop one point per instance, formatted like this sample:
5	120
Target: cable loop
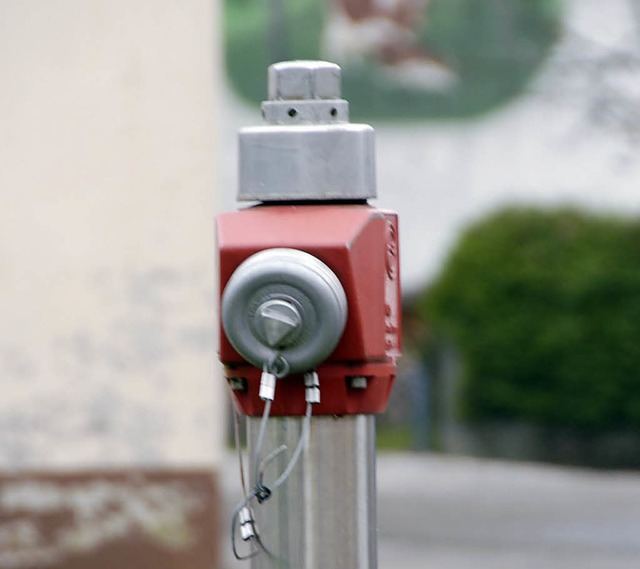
278	365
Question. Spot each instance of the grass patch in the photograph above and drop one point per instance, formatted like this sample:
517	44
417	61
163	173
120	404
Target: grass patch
394	438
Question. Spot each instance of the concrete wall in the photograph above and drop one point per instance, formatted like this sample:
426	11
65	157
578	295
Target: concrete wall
107	195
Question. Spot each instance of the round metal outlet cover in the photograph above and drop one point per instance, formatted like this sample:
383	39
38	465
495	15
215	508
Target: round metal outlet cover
284	302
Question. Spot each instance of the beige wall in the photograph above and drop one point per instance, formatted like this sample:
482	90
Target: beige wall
107	196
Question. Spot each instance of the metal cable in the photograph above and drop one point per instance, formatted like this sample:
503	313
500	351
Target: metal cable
304	436
236	437
256	540
234	525
260	491
260	439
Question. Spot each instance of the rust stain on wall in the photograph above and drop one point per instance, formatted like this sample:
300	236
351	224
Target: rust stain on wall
114	519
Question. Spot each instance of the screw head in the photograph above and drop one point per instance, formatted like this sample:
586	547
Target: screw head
300	80
278	320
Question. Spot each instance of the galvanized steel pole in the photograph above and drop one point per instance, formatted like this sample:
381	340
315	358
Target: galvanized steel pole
325	516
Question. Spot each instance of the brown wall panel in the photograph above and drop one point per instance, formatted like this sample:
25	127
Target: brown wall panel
124	519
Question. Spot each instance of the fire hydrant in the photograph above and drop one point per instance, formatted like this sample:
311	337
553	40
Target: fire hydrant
310	315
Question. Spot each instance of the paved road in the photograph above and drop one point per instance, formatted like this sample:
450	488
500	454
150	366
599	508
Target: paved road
457	513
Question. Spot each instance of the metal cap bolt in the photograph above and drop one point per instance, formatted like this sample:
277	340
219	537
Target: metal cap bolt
294	80
305	92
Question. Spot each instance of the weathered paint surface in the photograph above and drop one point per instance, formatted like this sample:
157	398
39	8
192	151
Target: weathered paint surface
107	358
136	389
136	518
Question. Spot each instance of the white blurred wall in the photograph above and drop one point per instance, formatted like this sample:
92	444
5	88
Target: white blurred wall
107	195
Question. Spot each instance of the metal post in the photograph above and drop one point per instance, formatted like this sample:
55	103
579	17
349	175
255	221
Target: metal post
325	516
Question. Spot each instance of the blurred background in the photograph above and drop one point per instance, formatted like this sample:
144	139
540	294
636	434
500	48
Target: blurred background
507	140
507	132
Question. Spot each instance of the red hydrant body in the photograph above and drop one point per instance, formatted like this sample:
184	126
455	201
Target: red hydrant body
360	244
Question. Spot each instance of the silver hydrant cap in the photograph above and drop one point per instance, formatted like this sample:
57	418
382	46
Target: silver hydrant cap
307	149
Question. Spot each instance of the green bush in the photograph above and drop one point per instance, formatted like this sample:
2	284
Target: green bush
544	309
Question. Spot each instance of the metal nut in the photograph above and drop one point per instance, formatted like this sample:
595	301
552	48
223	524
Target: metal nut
358	382
296	80
238	383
